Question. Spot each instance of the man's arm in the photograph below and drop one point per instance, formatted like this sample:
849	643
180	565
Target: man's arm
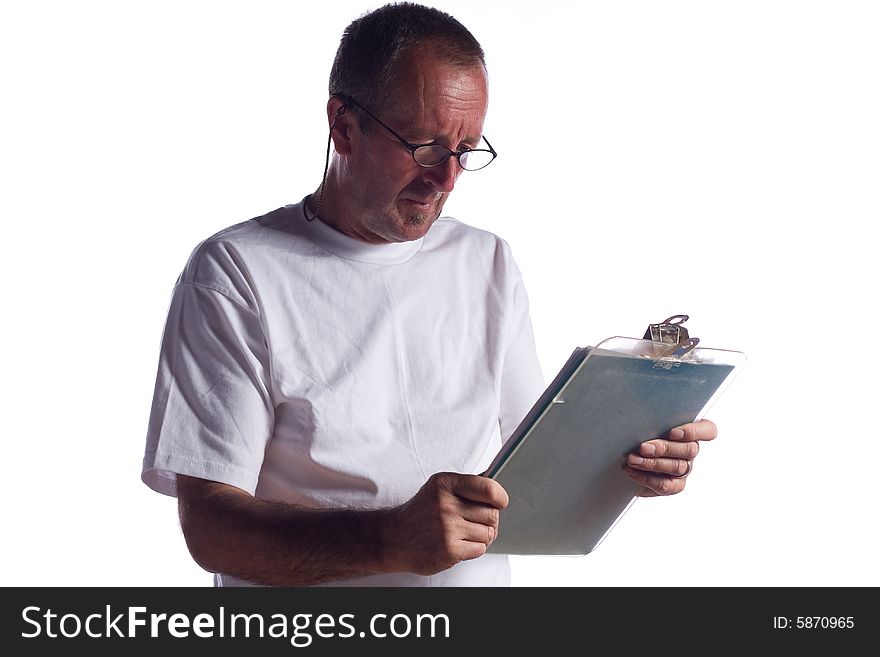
452	518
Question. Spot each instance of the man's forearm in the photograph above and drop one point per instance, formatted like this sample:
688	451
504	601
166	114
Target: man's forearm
275	543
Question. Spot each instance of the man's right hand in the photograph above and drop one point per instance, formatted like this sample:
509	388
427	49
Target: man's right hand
453	517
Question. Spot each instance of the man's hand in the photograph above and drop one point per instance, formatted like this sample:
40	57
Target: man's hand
453	517
662	465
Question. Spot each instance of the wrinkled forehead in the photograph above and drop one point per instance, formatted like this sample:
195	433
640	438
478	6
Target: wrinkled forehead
427	82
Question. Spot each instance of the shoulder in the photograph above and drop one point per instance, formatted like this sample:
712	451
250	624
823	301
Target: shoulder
225	261
234	246
478	253
253	232
449	231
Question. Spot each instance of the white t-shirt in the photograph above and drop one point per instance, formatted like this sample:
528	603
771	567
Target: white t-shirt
304	366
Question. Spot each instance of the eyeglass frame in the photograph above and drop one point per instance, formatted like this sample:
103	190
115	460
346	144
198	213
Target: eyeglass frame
413	147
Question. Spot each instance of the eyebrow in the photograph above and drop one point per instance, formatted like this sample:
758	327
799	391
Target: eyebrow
466	142
472	142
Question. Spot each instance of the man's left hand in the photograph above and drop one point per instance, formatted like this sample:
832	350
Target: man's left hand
662	465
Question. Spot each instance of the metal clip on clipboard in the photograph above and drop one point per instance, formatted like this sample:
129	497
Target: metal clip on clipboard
671	332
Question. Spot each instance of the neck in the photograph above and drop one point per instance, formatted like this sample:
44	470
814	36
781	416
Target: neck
322	204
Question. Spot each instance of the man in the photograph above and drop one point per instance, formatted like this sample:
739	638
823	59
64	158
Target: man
335	374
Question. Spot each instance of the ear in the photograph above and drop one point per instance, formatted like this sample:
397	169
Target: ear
340	121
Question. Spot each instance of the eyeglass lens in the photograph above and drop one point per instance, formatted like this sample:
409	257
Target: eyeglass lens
434	154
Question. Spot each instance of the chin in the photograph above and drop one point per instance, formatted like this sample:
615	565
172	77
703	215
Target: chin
408	223
418	225
409	232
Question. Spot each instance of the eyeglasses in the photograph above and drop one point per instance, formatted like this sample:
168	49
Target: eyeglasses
432	155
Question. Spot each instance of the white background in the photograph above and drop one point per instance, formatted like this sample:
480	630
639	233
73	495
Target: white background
718	159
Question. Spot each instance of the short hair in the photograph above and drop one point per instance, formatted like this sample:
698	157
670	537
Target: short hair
372	47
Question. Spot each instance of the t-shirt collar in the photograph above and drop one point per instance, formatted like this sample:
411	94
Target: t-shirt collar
347	247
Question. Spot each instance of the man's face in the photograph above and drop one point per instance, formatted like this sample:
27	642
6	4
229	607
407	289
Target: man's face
391	198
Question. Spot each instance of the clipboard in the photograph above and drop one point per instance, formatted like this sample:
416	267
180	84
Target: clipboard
562	466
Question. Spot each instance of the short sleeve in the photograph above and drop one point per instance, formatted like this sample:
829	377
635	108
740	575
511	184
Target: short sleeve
522	381
212	413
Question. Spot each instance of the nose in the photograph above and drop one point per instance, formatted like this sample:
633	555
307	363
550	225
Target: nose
443	176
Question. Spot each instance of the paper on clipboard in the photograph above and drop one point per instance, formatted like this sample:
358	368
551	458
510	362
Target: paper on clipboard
562	467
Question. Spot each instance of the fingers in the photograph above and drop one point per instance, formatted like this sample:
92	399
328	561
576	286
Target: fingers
478	502
693	431
664	457
655	484
475	488
672	467
477	532
681	443
482	514
452	518
663	464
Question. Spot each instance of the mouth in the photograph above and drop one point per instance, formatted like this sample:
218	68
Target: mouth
422	204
